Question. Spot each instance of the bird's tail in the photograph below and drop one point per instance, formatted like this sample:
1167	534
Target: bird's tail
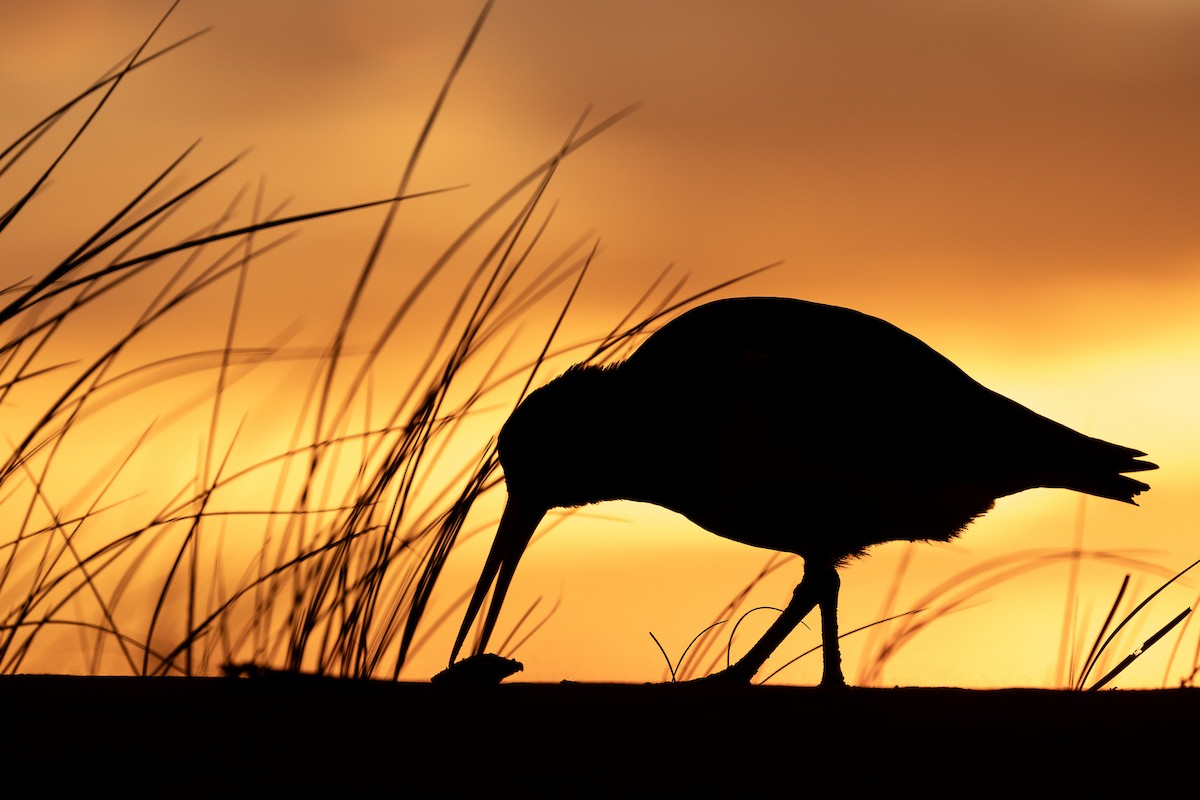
1103	477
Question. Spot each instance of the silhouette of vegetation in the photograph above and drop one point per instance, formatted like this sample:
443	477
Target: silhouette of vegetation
331	590
673	668
1100	646
959	592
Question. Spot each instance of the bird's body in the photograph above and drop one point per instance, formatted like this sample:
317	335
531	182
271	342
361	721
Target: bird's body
788	425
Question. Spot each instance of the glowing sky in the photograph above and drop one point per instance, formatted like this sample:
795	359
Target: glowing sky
1013	182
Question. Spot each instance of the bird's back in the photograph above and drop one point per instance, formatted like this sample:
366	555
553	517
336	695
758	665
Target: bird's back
782	412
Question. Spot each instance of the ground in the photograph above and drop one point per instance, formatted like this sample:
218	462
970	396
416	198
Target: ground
255	736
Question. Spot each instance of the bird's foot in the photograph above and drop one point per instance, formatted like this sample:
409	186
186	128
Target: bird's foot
832	682
730	676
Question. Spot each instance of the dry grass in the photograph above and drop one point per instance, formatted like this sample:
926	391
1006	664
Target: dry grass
360	509
713	648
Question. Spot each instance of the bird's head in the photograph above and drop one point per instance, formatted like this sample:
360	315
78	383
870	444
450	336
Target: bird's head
547	450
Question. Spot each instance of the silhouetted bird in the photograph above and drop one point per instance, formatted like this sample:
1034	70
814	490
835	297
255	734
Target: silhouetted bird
788	425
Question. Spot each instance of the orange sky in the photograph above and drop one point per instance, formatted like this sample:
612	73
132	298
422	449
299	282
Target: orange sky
1015	183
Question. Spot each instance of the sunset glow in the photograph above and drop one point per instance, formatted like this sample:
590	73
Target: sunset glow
1013	183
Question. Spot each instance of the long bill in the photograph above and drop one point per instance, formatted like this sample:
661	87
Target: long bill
517	524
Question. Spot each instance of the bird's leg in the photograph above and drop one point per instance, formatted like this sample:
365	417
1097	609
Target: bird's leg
818	587
831	651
